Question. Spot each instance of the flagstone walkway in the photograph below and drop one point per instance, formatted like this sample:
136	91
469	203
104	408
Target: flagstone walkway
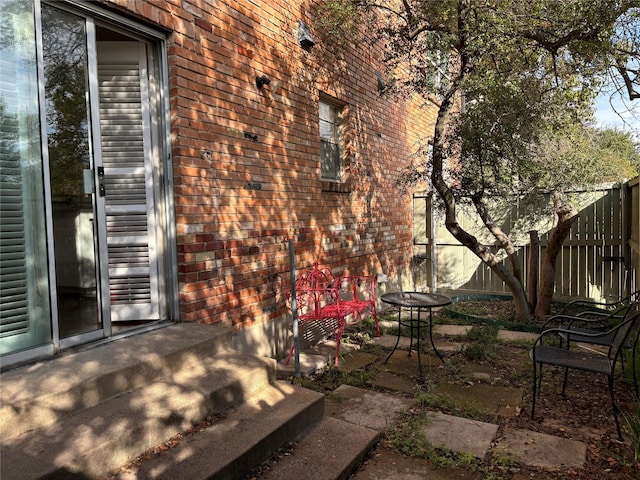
378	410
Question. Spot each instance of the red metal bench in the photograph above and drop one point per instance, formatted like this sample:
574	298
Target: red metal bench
329	304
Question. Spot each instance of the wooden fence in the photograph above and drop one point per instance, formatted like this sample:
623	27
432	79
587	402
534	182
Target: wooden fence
634	220
599	260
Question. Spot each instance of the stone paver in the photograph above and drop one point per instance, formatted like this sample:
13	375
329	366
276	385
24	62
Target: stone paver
389	341
353	361
541	450
388	464
504	401
460	434
309	364
509	335
366	408
392	381
402	363
451	330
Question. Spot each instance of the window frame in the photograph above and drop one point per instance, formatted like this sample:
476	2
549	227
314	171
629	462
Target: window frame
339	123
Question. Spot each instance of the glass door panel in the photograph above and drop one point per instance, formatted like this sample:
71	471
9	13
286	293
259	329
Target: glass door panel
25	314
66	77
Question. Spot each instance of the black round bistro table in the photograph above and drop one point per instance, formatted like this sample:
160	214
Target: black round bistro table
415	301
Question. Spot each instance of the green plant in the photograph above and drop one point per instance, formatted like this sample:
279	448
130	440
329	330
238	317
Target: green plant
442	458
483	333
483	343
408	438
629	365
633	421
503	461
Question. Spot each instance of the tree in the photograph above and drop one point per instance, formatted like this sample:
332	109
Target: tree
518	75
623	54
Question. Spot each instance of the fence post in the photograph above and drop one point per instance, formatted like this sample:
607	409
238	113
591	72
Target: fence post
294	308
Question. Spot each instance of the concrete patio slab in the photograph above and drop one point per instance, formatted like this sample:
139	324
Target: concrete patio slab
459	434
364	407
541	450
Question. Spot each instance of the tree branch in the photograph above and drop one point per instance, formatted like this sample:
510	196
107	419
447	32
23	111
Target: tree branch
624	73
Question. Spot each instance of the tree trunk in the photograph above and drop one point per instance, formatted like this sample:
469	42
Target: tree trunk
521	305
513	277
564	216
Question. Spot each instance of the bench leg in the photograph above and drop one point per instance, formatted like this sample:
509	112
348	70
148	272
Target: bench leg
338	334
375	317
290	354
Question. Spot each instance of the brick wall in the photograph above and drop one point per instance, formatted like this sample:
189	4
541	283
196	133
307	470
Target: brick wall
246	161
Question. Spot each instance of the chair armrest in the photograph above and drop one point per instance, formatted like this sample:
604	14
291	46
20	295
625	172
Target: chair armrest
600	318
589	335
592	304
556	333
605	306
568	320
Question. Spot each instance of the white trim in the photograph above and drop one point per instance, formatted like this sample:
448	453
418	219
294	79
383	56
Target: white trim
46	174
27	355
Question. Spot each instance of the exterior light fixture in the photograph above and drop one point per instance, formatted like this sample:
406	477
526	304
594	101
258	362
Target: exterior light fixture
305	39
381	83
262	81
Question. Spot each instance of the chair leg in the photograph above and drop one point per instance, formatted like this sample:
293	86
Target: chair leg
540	379
564	383
535	381
615	407
634	360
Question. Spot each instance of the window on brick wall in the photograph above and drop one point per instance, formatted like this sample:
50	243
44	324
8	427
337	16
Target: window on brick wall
332	142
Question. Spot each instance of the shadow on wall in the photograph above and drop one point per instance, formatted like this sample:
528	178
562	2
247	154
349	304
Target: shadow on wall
256	201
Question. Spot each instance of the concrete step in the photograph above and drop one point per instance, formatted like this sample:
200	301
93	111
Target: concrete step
92	411
45	392
106	435
332	450
242	440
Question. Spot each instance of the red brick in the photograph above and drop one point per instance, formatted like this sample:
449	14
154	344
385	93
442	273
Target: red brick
214	54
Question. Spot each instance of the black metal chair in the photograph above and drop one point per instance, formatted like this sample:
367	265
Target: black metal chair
599	308
553	347
584	325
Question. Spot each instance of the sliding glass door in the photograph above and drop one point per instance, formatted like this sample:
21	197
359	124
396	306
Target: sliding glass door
71	167
80	177
25	313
